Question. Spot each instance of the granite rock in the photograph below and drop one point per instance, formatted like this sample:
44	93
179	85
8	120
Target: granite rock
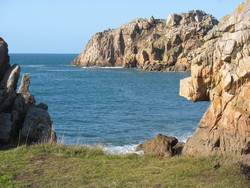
162	146
20	118
220	73
149	44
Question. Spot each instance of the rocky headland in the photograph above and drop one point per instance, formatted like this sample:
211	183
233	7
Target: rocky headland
21	119
220	73
149	44
218	56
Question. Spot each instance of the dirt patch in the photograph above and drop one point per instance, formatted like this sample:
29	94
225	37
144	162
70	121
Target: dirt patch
38	158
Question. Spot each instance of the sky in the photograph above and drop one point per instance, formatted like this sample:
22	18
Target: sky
65	26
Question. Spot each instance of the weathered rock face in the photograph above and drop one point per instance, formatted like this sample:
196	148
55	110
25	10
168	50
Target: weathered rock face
20	118
4	58
37	126
162	146
149	44
221	73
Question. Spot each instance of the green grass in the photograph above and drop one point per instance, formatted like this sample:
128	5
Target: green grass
61	166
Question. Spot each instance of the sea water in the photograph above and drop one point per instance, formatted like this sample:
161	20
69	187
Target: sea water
111	107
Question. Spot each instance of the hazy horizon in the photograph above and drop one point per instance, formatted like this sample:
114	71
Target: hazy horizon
64	27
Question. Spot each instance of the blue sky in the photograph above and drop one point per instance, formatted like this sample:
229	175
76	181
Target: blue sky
65	26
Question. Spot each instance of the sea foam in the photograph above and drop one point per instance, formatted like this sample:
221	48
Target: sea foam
126	149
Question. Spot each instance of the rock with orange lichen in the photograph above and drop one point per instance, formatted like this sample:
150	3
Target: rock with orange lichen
220	73
161	145
149	44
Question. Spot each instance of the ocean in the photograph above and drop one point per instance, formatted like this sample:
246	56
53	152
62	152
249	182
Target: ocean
113	108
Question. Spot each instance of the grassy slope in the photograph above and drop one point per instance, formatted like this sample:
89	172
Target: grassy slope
61	166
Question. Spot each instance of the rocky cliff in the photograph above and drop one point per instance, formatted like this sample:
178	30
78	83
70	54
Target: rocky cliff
149	44
220	73
21	120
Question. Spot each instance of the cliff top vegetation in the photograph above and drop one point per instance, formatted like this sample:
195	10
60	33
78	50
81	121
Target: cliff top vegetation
73	166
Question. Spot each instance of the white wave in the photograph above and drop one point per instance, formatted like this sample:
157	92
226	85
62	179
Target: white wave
184	137
33	66
61	70
117	150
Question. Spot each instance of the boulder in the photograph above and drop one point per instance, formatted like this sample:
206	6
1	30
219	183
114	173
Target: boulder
244	164
20	117
220	73
9	84
5	128
37	126
149	44
37	123
245	168
178	148
4	58
161	145
7	102
42	106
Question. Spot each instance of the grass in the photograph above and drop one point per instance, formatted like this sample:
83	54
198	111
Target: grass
64	166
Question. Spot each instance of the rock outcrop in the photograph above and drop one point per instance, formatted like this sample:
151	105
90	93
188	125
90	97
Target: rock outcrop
21	120
245	166
162	146
149	44
220	73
